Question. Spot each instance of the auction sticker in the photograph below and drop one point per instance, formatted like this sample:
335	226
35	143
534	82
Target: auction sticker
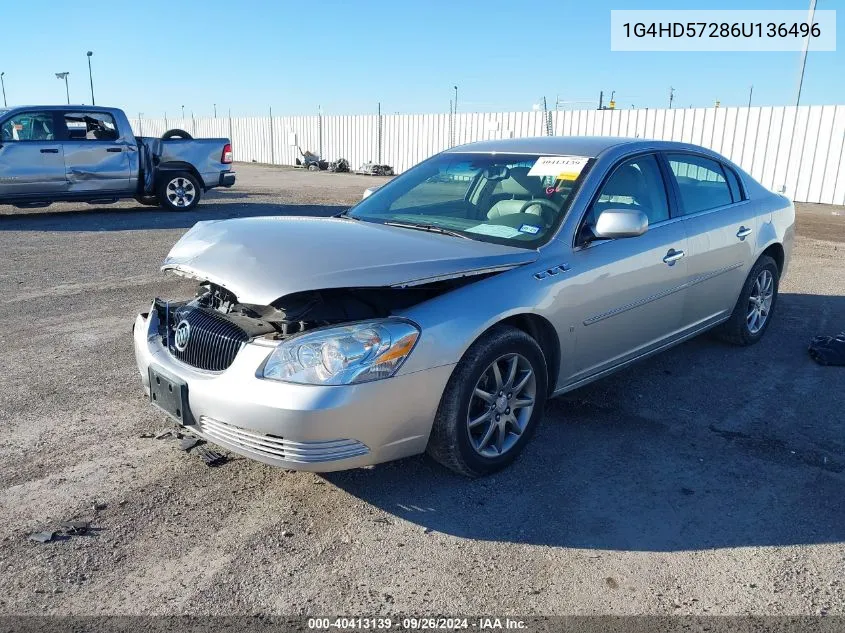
561	167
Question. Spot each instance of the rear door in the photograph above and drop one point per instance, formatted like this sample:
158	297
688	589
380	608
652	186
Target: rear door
626	294
31	160
96	155
721	228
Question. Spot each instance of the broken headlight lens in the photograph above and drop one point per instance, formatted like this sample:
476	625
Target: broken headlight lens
343	355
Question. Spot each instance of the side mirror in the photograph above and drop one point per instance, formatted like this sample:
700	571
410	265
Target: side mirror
368	192
617	223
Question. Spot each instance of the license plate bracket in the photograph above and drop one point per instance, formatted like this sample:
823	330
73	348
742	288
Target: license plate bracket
170	394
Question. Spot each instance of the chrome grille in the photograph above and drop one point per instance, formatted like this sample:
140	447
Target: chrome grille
214	340
279	448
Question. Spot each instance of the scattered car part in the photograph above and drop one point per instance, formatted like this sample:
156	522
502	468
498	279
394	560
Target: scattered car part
187	443
210	457
372	169
76	528
828	350
341	165
42	537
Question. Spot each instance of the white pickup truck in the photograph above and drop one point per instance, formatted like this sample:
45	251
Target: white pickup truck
89	154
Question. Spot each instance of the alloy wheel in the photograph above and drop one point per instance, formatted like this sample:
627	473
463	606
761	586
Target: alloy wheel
760	301
501	405
181	192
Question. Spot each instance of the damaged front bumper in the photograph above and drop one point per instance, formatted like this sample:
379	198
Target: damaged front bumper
300	427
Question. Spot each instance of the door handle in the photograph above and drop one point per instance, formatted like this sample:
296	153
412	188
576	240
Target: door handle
114	149
743	232
50	151
672	256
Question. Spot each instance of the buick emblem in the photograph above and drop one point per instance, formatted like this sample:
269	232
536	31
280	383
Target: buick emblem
182	335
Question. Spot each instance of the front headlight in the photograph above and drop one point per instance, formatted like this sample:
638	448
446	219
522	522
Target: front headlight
343	355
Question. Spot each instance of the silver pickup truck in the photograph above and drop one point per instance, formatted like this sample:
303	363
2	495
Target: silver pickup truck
89	154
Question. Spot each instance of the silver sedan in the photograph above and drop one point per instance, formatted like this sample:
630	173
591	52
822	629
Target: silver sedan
441	312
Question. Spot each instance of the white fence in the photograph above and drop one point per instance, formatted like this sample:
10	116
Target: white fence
797	150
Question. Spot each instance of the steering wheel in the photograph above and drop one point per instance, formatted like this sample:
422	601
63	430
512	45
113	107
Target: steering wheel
548	209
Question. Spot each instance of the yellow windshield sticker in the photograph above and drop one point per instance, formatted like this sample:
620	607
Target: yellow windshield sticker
562	167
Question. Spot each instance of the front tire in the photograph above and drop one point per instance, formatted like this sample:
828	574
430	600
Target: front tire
178	191
492	403
753	311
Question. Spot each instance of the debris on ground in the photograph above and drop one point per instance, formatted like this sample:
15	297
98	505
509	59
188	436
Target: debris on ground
76	528
42	537
287	533
65	531
828	350
371	169
165	433
210	457
187	443
341	165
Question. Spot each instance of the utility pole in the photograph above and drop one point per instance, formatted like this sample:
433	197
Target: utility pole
3	83
67	90
671	96
750	92
183	112
215	110
456	99
601	100
811	15
804	50
91	76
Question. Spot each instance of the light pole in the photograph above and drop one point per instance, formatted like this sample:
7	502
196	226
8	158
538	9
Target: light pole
91	77
456	99
215	110
671	96
67	90
183	113
3	83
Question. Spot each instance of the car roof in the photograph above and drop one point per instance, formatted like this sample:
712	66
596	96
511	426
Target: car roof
72	106
590	146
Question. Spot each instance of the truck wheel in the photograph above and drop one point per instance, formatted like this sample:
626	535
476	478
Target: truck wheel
176	133
178	191
492	403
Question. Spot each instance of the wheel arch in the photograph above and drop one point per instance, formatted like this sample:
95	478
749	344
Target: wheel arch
777	253
541	330
163	170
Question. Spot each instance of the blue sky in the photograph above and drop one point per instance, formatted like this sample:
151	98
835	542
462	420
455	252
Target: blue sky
156	56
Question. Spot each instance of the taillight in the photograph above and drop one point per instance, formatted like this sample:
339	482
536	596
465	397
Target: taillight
226	157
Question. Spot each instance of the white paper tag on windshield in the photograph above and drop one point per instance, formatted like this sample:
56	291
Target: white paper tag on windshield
561	167
494	230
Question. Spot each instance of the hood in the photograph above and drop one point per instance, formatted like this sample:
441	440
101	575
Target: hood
263	259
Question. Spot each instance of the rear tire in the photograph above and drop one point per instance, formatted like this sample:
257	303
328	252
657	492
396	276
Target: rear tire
483	421
755	306
178	191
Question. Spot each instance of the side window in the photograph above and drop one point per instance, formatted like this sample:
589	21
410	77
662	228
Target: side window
635	184
733	183
29	126
701	183
90	126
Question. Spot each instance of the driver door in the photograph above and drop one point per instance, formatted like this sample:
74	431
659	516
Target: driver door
31	159
625	296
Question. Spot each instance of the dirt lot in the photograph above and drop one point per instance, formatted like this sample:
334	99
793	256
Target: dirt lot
708	480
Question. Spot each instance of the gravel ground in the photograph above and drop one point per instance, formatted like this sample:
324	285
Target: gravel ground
707	480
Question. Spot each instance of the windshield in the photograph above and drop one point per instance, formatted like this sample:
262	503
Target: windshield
514	199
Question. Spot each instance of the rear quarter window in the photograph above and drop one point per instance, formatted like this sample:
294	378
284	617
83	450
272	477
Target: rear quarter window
701	183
